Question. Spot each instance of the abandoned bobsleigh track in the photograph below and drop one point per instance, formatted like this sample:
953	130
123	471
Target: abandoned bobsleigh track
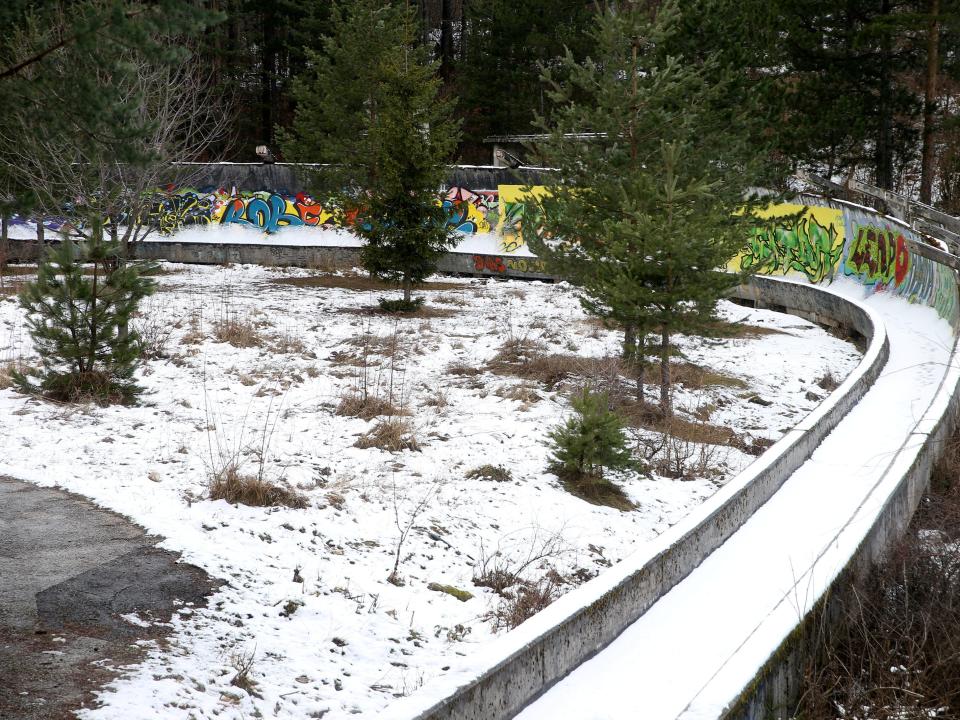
713	619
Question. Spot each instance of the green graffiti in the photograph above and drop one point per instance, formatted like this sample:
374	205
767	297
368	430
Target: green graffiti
512	234
805	246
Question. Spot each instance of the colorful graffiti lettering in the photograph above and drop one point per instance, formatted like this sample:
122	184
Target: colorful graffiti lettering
489	263
805	246
526	265
471	211
877	255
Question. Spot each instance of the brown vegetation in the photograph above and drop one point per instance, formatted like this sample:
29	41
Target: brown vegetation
893	649
392	434
230	485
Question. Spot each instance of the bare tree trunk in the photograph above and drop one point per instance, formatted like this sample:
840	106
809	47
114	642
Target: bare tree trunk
884	156
4	243
665	406
641	361
407	289
41	231
446	40
629	342
929	102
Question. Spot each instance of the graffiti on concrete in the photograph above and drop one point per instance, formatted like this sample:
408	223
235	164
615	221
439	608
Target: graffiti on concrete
471	211
877	256
803	245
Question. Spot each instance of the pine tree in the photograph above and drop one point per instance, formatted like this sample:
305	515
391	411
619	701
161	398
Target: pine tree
370	105
76	308
590	441
648	210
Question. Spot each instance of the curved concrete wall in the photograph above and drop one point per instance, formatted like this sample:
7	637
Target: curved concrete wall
529	659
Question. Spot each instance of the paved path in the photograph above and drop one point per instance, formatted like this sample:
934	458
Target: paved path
68	571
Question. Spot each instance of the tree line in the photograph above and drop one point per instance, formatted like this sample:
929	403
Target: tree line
858	87
690	107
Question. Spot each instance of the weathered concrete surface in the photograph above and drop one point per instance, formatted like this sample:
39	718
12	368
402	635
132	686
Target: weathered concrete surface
68	570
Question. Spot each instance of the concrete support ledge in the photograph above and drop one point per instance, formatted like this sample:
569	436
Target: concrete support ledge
525	662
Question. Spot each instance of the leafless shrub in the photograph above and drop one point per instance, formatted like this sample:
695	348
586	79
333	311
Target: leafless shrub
505	567
242	663
894	649
405	519
153	330
378	387
529	599
391	434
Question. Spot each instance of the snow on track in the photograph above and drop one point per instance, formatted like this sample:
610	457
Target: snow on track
695	649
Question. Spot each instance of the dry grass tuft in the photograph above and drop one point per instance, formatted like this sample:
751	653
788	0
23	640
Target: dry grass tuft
7	371
828	382
463	369
230	485
496	473
366	408
237	332
694	377
523	393
393	435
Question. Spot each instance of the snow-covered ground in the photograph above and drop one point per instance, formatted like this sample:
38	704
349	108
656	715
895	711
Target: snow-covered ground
307	593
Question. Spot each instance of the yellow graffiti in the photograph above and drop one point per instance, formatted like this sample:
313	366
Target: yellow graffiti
794	240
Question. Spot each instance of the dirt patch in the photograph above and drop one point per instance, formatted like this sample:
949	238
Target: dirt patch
421	313
358	282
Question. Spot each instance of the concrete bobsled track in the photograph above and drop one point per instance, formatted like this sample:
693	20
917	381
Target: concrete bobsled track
709	621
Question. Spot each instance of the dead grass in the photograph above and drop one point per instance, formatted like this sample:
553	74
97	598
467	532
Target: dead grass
231	485
238	332
694	377
596	491
737	329
463	369
392	434
523	393
649	417
528	599
357	282
366	408
828	382
496	473
422	313
7	370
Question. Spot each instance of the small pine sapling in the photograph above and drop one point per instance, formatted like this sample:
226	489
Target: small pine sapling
588	443
78	317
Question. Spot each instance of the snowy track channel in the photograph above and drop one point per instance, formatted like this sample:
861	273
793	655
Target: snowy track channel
694	651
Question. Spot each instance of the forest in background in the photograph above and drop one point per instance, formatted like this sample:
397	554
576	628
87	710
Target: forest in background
861	88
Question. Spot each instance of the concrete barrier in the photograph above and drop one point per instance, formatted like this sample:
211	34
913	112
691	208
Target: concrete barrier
778	684
534	656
